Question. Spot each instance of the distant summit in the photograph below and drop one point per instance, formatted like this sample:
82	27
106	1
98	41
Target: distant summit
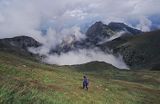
18	45
115	26
138	49
99	31
96	34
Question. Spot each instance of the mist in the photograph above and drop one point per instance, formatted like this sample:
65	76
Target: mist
52	21
80	57
115	36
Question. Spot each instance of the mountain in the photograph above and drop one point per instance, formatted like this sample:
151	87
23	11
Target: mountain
99	31
27	81
18	45
139	51
115	26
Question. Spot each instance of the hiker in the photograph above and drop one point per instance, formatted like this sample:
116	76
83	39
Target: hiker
85	82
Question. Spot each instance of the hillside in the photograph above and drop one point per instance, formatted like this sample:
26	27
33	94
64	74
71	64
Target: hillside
28	82
19	45
139	51
24	80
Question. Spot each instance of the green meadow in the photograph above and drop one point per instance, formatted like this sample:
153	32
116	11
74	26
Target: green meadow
26	81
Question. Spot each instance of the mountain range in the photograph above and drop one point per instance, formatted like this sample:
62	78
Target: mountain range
26	79
97	34
140	50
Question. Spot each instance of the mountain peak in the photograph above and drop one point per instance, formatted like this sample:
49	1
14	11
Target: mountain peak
99	31
118	26
98	23
116	23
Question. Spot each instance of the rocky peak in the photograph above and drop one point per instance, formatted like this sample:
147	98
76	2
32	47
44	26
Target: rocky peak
99	31
115	26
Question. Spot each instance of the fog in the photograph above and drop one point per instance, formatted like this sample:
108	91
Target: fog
80	57
51	21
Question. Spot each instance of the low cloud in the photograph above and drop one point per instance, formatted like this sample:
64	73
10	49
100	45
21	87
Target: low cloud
63	18
115	36
145	24
80	57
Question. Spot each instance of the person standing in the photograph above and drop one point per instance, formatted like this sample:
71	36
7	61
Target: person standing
85	82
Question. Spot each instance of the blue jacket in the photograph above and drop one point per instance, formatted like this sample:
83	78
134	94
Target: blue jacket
85	81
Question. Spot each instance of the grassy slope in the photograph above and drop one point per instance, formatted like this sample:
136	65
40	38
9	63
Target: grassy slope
27	82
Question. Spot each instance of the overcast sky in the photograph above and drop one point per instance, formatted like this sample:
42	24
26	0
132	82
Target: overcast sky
61	18
28	17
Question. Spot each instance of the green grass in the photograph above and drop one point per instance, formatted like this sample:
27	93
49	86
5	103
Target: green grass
23	81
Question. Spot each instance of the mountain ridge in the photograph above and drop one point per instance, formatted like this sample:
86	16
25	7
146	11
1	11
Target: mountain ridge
19	45
99	31
140	51
133	48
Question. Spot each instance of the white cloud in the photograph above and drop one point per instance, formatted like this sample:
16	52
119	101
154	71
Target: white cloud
145	24
63	18
23	17
80	57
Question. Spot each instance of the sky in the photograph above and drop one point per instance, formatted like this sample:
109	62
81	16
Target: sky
50	21
24	17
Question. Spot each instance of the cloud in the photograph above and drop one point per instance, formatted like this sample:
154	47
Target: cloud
80	57
63	18
145	24
54	38
27	17
115	36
